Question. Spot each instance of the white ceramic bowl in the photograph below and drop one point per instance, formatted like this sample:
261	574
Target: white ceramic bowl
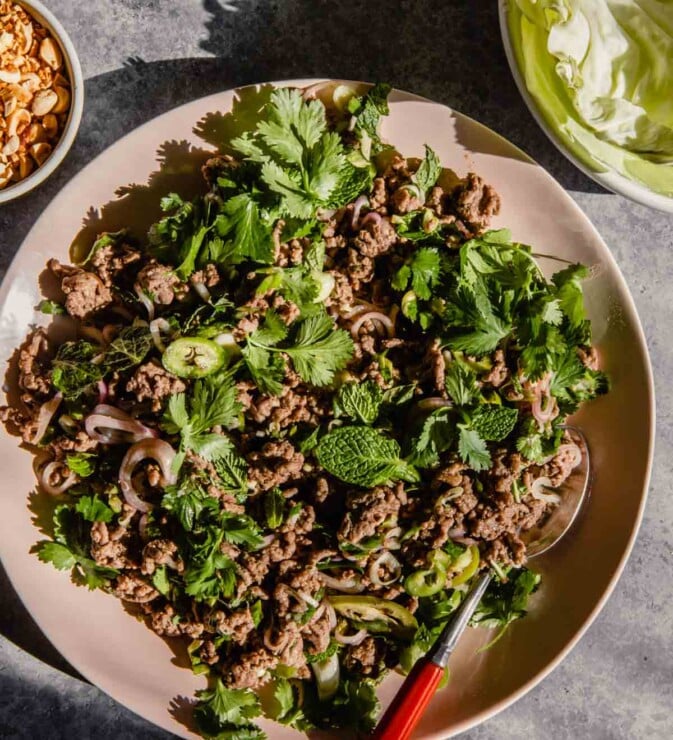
45	17
608	178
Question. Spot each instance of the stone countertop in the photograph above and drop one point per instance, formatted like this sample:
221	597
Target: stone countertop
143	57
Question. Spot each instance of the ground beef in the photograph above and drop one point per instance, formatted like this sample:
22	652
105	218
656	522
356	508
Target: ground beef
209	276
250	669
34	372
316	634
134	589
588	357
434	360
296	579
85	292
375	238
161	284
476	203
110	261
505	470
81	442
284	546
161	552
405	200
276	464
163	621
151	382
368	510
367	658
508	550
235	625
379	196
489	522
208	653
291	253
499	371
110	546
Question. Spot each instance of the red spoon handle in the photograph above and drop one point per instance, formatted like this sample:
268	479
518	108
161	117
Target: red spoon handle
408	706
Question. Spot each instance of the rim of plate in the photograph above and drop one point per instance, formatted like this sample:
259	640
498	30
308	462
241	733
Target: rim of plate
610	179
607	256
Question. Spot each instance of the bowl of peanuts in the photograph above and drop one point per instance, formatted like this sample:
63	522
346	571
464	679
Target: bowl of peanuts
41	96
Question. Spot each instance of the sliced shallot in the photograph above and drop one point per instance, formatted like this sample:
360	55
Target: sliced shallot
63	486
536	491
44	417
153	449
345	585
388	561
376	317
110	425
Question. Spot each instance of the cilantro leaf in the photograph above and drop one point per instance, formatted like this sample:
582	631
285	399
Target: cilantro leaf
242	221
504	602
461	383
57	554
93	509
320	350
240	529
51	307
472	448
359	401
226	713
363	456
569	292
436	435
82	463
187	500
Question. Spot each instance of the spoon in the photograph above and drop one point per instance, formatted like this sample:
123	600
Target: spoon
413	697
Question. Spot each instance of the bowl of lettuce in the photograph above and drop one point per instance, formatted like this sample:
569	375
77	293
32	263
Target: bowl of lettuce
598	78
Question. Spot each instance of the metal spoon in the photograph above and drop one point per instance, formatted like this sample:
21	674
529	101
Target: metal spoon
415	694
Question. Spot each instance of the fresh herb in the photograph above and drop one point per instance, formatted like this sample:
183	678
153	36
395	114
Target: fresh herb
93	509
225	714
82	463
52	308
363	456
73	372
359	401
128	349
422	270
274	508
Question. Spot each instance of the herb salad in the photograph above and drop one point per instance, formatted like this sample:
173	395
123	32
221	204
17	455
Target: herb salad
304	413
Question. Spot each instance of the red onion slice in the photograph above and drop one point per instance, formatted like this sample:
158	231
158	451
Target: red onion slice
431	404
156	327
154	449
345	585
110	425
376	317
536	491
145	300
371	218
355	639
62	487
390	562
359	204
202	290
44	417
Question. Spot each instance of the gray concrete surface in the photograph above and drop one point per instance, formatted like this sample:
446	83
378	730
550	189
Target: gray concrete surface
143	57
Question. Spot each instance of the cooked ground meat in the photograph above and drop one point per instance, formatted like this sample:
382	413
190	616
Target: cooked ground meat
476	203
161	552
161	284
367	658
151	382
276	464
34	374
85	292
134	589
110	547
369	510
110	261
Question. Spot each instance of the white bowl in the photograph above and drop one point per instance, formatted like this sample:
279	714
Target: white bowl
609	178
44	16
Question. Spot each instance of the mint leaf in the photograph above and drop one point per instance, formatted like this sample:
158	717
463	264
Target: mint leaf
493	422
73	372
428	172
359	401
363	457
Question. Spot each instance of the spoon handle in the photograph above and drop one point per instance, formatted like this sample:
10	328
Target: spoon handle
416	692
